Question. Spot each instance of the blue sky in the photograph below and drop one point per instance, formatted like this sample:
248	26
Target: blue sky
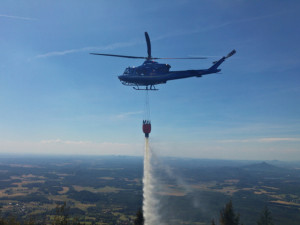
56	98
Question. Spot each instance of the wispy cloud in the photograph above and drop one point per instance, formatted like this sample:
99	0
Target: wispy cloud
217	26
67	142
61	146
16	17
127	114
86	49
278	139
245	20
117	45
261	140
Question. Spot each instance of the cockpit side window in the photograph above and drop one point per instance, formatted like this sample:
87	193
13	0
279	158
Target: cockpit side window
126	71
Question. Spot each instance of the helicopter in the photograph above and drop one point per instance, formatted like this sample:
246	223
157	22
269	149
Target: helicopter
151	73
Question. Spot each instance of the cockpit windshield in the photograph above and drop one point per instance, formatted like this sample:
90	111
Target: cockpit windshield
130	71
127	71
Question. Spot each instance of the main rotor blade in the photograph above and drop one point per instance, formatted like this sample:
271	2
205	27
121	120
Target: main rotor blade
122	56
183	58
142	57
148	46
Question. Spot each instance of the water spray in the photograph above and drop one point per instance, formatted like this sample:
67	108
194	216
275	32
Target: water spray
150	202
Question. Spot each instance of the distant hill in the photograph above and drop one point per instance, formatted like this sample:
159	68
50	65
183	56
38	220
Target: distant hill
263	167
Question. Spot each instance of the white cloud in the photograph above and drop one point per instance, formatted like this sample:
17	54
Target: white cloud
85	49
204	149
278	139
236	140
17	17
216	26
126	115
272	139
132	43
59	141
59	146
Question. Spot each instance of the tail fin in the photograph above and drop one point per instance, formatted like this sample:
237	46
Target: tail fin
216	64
231	53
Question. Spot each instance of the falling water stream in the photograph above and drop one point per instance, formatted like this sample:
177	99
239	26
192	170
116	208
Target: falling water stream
150	202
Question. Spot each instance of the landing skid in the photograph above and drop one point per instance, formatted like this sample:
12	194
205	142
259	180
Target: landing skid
151	88
147	88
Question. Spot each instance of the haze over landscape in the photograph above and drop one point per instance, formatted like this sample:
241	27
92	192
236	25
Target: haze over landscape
57	99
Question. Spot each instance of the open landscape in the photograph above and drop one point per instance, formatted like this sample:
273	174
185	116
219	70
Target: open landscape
108	189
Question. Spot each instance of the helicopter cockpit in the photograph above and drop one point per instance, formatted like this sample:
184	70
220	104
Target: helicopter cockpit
130	71
148	68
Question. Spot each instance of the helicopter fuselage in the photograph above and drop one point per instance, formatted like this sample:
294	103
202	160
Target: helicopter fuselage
151	73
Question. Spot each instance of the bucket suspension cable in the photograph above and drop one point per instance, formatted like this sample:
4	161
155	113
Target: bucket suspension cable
146	121
147	106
